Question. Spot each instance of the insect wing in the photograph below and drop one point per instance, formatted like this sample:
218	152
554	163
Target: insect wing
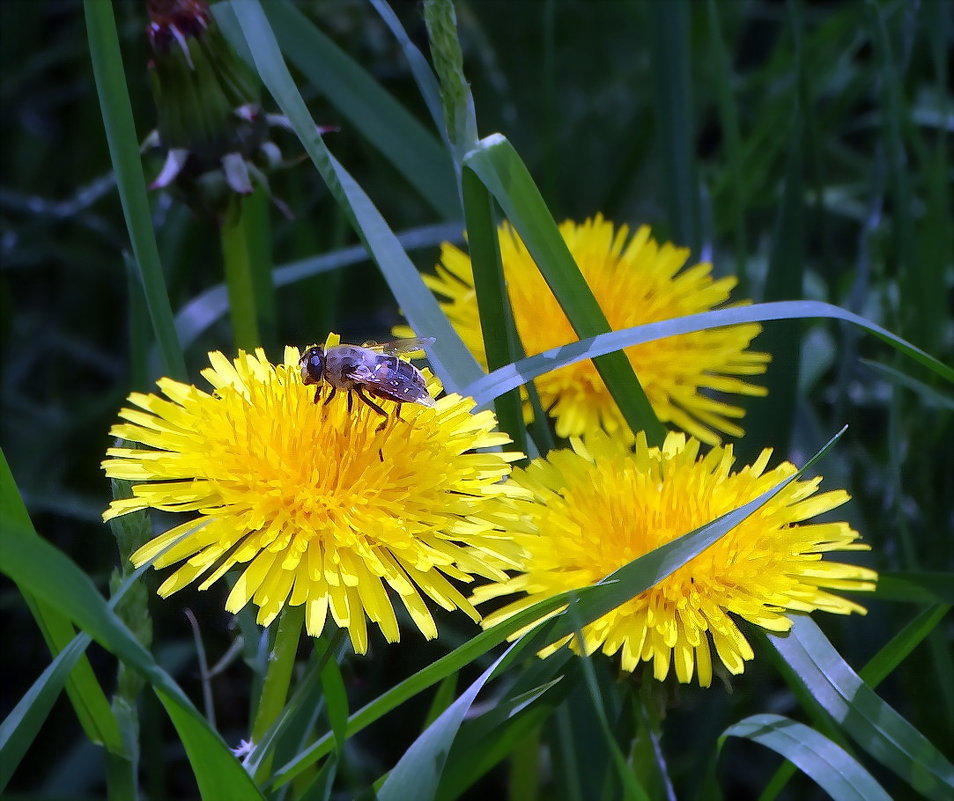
400	346
396	380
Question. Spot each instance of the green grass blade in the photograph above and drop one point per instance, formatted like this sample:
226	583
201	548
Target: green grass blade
631	789
21	726
874	725
420	681
49	574
475	753
413	151
124	151
881	665
450	357
501	342
507	378
827	763
671	59
423	763
87	697
902	644
502	171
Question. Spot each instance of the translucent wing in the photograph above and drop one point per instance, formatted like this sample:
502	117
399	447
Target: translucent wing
400	346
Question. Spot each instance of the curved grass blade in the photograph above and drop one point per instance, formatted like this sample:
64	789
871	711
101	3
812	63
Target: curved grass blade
507	378
124	152
413	150
883	663
49	574
486	740
420	681
449	356
423	763
85	694
21	726
209	306
827	763
500	169
874	725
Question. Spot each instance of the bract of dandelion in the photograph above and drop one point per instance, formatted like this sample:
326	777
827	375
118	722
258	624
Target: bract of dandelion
601	505
316	504
635	281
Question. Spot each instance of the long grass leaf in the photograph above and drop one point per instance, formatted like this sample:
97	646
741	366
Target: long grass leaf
902	644
507	378
871	723
85	694
124	152
771	418
423	763
50	575
827	763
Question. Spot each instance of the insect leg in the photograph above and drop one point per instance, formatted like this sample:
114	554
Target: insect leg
330	395
374	406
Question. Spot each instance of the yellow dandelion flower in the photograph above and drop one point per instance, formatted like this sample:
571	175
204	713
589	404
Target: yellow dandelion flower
318	505
601	505
636	281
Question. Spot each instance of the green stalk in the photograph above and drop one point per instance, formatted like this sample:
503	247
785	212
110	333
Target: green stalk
247	273
501	342
124	153
278	676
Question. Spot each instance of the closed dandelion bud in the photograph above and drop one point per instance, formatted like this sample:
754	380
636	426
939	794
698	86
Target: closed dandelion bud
212	131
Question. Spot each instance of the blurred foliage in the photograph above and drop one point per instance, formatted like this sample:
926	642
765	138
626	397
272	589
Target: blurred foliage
848	102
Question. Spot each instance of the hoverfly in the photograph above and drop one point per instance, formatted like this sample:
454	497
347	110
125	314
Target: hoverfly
368	369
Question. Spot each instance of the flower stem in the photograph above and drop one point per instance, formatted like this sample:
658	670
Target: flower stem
245	252
278	676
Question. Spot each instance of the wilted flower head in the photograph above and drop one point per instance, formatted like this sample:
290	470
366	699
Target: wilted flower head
636	281
316	504
601	505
